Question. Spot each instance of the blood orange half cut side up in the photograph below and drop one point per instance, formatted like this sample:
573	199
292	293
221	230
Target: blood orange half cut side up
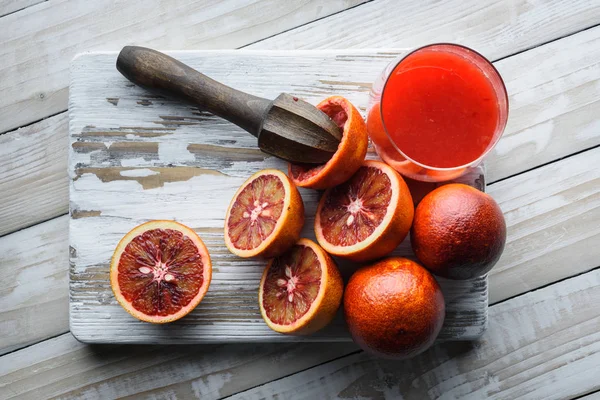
350	154
160	271
366	217
265	216
301	290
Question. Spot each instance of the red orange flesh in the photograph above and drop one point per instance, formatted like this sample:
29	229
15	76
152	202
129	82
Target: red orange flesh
160	271
351	150
265	216
367	216
301	290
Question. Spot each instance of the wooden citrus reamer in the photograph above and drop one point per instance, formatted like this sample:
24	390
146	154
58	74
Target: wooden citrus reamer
286	127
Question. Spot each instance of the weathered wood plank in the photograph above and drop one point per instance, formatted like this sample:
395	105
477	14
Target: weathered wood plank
86	361
553	101
35	72
495	28
39	88
542	345
33	293
553	219
552	115
592	396
507	278
64	368
33	175
139	173
10	6
531	202
173	171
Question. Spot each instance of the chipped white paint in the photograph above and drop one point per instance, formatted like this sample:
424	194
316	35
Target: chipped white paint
570	67
187	167
174	152
132	162
210	385
138	172
589	130
64	367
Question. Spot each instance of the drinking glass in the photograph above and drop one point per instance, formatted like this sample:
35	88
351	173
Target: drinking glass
393	154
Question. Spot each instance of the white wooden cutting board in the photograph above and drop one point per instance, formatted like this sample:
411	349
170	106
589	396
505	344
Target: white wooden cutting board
135	156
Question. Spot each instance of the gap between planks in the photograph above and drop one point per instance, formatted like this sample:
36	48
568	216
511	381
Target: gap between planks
8	7
558	110
503	283
60	367
324	18
353	353
51	206
544	164
305	24
102	101
595	395
579	41
38	87
544	345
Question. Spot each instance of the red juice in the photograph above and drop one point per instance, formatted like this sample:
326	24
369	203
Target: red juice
441	109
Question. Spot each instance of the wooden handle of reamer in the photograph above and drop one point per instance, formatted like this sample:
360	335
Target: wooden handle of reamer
160	73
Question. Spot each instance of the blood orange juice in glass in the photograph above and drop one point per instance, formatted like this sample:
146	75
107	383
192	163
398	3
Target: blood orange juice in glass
437	112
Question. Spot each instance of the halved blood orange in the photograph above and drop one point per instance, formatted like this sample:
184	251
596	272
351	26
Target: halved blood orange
366	217
160	271
350	154
301	290
265	216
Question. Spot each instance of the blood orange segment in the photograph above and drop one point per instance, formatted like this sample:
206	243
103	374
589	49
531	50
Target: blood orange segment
292	285
265	216
353	211
254	216
160	271
301	290
366	217
350	154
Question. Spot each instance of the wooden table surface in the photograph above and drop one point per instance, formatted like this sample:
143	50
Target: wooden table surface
543	340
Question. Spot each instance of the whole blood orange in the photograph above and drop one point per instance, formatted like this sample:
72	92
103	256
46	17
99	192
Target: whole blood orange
394	308
367	216
160	271
265	216
350	153
458	232
301	290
